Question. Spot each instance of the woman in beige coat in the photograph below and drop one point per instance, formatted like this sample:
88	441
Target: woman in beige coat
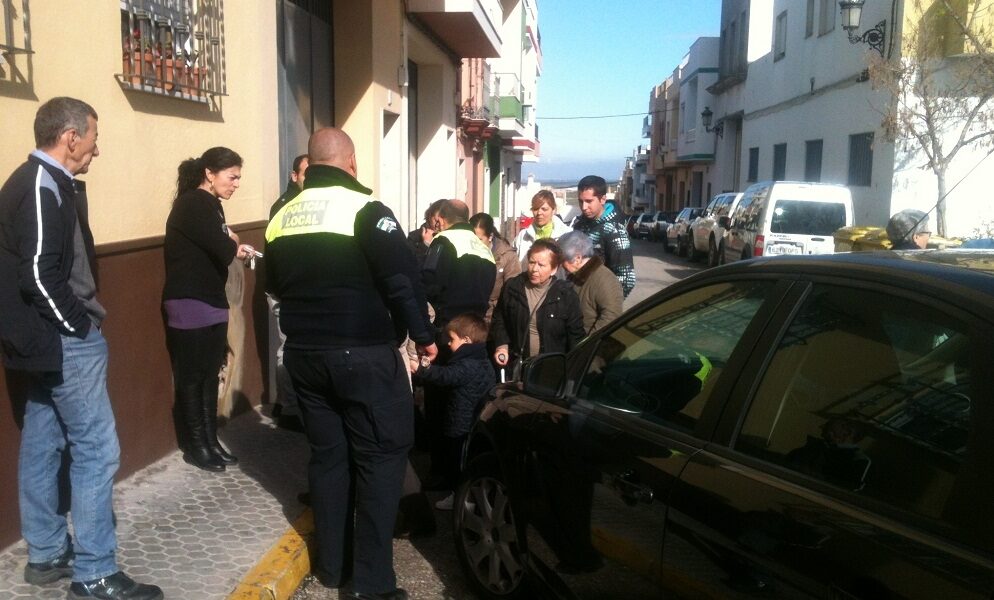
504	255
599	290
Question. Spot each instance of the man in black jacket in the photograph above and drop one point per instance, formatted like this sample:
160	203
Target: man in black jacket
458	274
349	293
56	360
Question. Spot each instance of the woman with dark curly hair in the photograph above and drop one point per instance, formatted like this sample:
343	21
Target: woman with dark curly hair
198	249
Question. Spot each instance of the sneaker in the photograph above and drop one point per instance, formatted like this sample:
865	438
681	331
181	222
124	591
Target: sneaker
114	587
50	571
446	503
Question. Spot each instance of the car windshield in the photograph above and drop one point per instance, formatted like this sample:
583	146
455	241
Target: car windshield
807	217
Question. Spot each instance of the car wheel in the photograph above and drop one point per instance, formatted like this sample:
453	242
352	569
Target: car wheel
721	254
681	246
695	254
712	253
486	536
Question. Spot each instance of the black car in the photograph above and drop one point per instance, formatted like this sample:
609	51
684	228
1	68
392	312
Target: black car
810	427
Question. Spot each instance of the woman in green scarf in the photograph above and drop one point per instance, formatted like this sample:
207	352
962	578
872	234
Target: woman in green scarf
545	225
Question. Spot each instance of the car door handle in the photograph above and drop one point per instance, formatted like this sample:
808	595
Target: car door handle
631	490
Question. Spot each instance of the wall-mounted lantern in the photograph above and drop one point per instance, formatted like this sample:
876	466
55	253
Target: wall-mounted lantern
852	10
706	118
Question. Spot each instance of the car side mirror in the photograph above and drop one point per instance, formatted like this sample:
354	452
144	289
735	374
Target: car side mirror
724	222
545	375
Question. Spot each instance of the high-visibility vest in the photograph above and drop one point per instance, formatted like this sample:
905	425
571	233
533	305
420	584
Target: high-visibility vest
318	210
466	242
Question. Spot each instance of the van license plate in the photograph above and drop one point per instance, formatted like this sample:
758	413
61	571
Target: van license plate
779	249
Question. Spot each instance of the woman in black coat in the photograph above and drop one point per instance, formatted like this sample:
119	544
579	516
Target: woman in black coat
536	313
198	249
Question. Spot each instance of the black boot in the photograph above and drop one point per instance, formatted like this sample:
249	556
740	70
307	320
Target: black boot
210	428
196	452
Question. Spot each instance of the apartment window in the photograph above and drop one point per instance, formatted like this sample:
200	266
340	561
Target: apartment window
171	48
15	45
780	37
683	116
860	159
779	162
753	165
812	160
743	53
826	18
809	19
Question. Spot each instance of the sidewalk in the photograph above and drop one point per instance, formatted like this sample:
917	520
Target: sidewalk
197	534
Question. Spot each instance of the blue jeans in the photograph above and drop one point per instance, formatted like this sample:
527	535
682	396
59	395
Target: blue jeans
70	411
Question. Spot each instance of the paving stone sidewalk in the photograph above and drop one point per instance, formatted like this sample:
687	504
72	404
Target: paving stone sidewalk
196	534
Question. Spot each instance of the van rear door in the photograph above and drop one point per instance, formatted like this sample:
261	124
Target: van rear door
805	226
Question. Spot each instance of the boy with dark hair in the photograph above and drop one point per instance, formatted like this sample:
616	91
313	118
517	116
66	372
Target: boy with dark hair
467	378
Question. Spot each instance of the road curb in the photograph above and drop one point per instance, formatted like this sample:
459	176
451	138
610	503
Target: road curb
281	569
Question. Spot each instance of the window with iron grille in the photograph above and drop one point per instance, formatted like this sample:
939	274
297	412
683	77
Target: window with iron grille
860	159
812	160
753	164
809	19
173	47
779	162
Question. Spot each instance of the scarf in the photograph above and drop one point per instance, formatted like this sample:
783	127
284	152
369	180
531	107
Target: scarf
543	232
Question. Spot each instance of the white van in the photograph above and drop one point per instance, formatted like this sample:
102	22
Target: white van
786	217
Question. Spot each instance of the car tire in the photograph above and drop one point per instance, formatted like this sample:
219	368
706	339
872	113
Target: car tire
695	254
681	246
712	253
721	254
486	535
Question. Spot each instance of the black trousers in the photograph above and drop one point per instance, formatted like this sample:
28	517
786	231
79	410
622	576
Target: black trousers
196	356
357	409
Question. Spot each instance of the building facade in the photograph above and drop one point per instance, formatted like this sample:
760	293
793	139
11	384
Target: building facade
171	78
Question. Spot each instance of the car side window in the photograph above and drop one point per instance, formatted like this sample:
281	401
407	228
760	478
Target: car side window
663	363
876	397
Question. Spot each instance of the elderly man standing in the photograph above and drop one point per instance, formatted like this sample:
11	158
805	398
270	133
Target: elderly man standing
56	360
908	230
349	291
601	298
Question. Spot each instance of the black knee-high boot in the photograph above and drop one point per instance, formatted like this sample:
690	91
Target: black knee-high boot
196	451
210	427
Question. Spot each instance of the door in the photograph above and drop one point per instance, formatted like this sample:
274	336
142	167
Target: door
644	403
862	465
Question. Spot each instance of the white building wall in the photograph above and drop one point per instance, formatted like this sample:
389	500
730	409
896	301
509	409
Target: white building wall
814	92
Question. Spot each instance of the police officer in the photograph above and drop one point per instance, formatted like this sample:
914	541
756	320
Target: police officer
350	291
458	274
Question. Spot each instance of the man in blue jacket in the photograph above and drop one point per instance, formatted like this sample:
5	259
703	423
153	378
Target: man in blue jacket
56	360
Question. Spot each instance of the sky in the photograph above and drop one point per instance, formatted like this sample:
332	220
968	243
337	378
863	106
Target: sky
604	58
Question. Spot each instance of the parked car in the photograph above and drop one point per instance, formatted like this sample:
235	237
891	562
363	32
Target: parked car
706	232
678	234
786	217
630	222
797	427
644	225
664	219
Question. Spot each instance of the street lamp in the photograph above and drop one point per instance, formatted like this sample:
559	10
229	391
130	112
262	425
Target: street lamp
852	10
706	117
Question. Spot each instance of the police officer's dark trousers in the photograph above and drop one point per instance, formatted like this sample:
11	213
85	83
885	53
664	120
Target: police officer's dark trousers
356	405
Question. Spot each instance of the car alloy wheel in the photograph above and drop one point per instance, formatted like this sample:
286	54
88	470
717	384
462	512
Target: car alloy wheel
486	537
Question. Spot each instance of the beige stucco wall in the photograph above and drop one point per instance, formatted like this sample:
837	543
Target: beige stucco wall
144	137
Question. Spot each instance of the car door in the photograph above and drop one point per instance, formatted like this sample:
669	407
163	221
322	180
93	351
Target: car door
857	465
642	399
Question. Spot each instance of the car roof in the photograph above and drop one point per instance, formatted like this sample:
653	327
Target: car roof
937	269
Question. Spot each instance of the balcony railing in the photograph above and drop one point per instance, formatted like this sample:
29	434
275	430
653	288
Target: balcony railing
15	41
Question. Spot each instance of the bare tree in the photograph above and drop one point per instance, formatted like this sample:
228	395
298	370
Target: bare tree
941	85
